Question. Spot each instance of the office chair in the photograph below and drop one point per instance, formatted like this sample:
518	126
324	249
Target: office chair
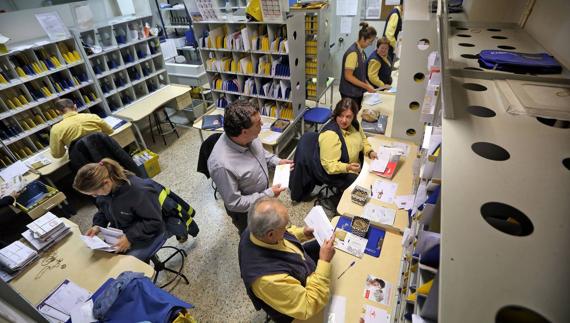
316	116
205	152
158	124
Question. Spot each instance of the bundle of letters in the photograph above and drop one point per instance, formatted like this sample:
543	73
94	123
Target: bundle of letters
45	231
269	109
13	258
221	102
231	85
264	65
249	87
279	68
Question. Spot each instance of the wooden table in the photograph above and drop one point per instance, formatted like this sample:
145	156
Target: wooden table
403	176
72	259
140	109
268	138
351	284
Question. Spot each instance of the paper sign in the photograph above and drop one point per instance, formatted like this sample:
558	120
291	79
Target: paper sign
345	25
53	25
18	168
346	7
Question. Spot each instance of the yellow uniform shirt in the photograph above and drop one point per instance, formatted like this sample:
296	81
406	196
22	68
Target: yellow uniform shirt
391	29
351	61
285	293
374	66
330	149
74	126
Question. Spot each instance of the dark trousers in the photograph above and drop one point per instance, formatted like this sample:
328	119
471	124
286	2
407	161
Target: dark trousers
357	100
239	219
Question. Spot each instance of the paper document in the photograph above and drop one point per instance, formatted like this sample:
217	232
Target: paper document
404	201
16	184
336	310
83	313
384	191
346	25
374	314
281	175
16	255
346	7
67	296
44	225
114	122
96	243
377	290
18	168
379	214
372	99
352	244
379	164
271	137
52	314
317	219
111	235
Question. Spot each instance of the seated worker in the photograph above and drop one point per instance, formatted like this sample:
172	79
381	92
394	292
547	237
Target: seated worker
340	143
12	224
378	66
279	272
125	202
239	164
73	126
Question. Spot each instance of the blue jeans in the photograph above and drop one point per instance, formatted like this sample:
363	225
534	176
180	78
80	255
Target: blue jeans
145	253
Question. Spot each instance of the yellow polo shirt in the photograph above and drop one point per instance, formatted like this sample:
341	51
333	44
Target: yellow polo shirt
330	149
351	62
74	126
374	66
285	293
391	28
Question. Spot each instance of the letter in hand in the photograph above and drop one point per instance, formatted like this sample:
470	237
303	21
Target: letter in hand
277	189
122	245
327	250
93	231
287	161
370	88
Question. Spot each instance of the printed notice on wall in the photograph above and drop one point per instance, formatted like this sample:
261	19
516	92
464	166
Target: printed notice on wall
53	25
346	7
345	25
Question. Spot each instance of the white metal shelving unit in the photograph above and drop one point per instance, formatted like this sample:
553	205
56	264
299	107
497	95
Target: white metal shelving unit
130	67
294	57
508	170
34	76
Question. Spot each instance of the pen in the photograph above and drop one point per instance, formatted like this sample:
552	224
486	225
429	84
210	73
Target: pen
351	264
371	192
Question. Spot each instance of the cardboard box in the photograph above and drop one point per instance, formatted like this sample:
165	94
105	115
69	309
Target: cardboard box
148	161
183	101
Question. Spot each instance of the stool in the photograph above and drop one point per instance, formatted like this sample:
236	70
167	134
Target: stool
160	265
158	124
317	116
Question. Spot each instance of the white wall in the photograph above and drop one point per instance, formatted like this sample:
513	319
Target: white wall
549	24
494	11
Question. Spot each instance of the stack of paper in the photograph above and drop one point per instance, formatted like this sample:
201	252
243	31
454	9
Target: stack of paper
16	256
46	231
384	191
372	99
16	184
60	305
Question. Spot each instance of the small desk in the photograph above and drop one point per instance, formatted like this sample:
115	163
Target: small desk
403	176
268	137
71	259
140	109
351	284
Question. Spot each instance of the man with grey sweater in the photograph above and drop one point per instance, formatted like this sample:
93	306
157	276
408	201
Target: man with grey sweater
238	163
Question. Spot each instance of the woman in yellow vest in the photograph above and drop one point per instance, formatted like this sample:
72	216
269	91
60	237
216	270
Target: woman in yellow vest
379	67
353	75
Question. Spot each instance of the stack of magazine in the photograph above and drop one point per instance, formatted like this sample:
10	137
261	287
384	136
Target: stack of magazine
46	231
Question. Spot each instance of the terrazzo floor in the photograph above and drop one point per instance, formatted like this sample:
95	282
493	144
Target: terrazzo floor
216	289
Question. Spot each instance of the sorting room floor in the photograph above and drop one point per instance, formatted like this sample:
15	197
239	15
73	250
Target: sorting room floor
216	289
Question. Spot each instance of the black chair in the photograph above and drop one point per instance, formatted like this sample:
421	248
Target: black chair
205	152
96	146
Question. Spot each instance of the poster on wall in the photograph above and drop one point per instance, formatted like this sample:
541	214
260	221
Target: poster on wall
346	7
53	25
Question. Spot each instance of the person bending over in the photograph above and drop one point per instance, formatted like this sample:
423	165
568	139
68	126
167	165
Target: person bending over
124	202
